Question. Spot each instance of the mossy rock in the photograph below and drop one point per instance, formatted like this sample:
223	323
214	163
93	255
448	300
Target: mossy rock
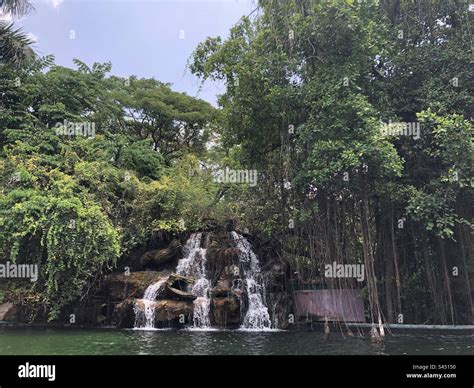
121	286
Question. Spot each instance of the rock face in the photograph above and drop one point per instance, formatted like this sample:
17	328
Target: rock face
218	258
227	297
120	286
124	315
156	259
222	288
176	286
227	294
169	312
279	300
122	301
226	312
133	287
8	312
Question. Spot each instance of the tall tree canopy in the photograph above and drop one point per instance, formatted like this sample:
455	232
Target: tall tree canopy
90	167
309	86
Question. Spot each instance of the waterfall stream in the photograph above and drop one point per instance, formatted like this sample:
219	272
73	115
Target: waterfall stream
193	264
145	318
257	316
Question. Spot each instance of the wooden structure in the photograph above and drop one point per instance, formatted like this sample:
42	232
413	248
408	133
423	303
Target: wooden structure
335	305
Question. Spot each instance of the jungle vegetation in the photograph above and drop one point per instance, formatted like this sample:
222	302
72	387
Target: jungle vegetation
309	85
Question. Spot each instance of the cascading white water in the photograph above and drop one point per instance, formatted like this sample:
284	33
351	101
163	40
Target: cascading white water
257	316
145	318
193	264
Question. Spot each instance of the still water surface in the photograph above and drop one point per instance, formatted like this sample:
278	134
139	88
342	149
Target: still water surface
40	341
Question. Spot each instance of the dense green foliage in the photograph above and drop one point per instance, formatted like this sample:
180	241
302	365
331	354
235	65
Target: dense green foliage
309	84
92	165
74	202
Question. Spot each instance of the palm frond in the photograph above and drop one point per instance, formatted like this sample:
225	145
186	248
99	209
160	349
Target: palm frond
15	7
15	45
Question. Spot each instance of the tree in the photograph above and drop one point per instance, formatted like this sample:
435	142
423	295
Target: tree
15	7
174	122
75	202
309	85
14	44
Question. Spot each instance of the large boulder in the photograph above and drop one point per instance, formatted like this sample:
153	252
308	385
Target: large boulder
124	314
120	286
176	287
228	282
157	259
169	312
221	289
219	258
8	312
226	311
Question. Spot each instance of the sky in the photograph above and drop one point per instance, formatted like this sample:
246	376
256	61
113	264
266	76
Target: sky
146	38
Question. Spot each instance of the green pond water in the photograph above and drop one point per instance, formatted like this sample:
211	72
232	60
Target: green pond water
40	341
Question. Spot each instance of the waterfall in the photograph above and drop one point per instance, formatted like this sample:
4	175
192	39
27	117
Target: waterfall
193	264
145	318
257	316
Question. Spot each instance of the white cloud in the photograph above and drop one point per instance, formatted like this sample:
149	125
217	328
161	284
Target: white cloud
55	3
